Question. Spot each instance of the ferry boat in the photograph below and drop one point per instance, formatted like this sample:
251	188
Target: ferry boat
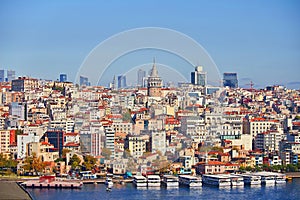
170	181
279	178
235	180
267	178
251	179
153	181
140	181
216	180
109	182
190	181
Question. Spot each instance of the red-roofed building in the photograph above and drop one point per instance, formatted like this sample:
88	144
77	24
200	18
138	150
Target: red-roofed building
230	167
210	167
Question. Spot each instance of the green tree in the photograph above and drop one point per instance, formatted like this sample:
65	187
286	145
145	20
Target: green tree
33	164
126	116
266	167
219	149
205	149
242	169
277	167
75	161
89	162
291	168
9	164
28	164
248	168
258	168
64	152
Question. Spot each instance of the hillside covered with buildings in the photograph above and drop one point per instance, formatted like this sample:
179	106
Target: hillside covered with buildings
60	127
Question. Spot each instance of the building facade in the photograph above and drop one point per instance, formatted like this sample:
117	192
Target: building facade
230	80
198	77
154	83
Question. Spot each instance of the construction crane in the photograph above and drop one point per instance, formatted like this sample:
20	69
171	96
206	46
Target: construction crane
251	84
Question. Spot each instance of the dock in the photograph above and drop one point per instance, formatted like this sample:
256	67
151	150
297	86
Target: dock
51	182
293	174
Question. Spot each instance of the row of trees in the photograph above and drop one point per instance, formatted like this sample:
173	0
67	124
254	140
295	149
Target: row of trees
277	168
7	166
88	163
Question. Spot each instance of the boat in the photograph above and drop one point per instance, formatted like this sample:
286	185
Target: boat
216	180
170	181
267	178
140	181
109	182
153	181
251	179
235	180
279	178
190	181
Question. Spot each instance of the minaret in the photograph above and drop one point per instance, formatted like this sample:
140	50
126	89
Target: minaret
154	82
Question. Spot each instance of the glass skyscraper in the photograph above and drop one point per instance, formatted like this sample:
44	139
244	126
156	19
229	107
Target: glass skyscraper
2	75
141	74
122	81
11	75
198	77
63	78
230	80
84	81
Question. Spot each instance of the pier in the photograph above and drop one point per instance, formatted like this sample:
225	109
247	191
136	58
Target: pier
293	174
51	182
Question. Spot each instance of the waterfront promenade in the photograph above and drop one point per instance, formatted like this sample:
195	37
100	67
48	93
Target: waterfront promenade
10	190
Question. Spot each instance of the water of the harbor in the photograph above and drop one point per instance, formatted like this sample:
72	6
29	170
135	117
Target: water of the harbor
290	191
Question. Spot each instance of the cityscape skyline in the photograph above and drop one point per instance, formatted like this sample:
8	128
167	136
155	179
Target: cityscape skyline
82	101
257	40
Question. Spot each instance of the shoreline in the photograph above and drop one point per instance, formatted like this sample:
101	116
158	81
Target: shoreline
13	190
102	180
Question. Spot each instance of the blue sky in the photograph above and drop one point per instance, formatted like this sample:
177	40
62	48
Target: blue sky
260	40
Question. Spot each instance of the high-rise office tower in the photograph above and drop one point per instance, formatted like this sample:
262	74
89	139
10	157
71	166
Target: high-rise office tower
230	80
141	74
122	81
198	77
2	75
11	75
63	78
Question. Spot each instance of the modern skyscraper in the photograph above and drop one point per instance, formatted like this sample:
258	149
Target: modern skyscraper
141	74
230	80
122	81
84	81
2	75
198	77
154	82
63	78
55	137
11	75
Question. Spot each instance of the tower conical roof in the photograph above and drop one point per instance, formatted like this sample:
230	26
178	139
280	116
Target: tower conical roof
154	72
